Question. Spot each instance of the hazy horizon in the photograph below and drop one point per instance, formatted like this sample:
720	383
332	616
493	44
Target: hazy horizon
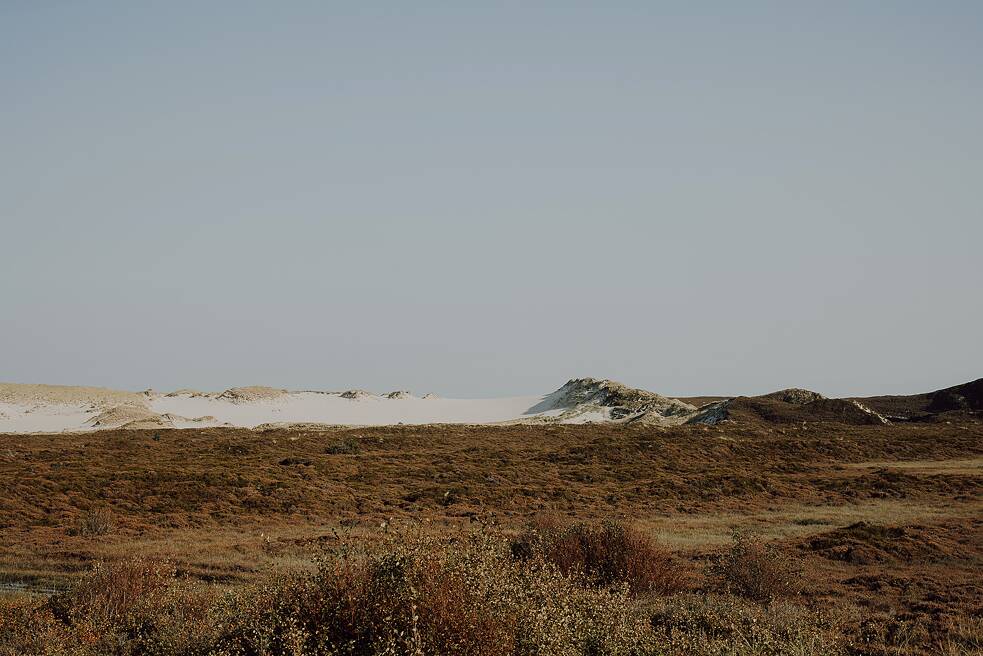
381	391
480	201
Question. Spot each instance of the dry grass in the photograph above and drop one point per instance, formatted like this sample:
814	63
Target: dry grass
784	521
953	466
724	625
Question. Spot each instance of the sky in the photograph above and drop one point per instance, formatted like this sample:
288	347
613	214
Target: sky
485	199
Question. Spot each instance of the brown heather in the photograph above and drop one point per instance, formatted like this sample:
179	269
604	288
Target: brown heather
756	570
604	554
416	593
412	594
868	541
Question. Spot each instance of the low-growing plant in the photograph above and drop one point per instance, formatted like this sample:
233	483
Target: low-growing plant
725	625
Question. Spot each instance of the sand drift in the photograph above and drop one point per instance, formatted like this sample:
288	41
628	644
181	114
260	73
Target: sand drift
56	408
49	408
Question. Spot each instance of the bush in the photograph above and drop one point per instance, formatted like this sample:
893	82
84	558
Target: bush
410	595
756	570
604	554
346	446
95	521
429	596
111	593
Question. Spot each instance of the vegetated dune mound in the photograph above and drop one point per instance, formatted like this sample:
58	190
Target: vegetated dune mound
176	420
356	394
968	396
964	398
251	393
399	394
864	543
794	395
788	406
592	399
129	416
189	393
845	411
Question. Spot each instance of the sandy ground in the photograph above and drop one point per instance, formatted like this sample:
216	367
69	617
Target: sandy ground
51	408
332	408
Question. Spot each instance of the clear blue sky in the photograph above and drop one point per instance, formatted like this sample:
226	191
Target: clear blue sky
489	198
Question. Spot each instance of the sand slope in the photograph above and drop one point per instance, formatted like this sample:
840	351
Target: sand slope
54	408
50	408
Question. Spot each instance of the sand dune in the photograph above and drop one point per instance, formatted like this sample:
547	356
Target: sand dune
32	408
53	408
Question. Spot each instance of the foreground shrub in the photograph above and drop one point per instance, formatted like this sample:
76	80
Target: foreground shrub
756	570
27	627
604	554
426	596
410	595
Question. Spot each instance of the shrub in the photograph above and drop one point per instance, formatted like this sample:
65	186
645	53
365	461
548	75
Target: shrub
345	446
111	593
428	596
29	628
307	462
604	554
410	595
95	521
414	594
756	570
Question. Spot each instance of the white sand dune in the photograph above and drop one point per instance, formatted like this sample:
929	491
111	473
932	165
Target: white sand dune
28	409
44	418
332	408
